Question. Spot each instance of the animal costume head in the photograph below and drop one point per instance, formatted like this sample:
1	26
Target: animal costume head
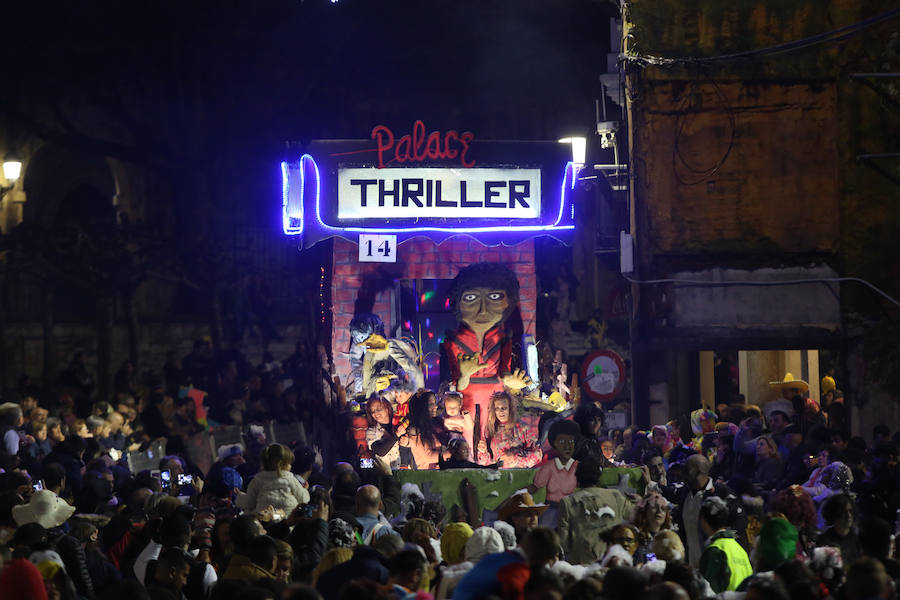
483	295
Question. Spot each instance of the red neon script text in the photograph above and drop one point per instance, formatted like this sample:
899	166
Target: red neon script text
418	146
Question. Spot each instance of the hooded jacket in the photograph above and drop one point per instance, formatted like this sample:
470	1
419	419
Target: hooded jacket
280	490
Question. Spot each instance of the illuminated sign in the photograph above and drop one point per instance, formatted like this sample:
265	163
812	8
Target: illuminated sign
413	193
418	147
520	189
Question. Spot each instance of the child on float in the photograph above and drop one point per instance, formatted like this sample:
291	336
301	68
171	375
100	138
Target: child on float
458	423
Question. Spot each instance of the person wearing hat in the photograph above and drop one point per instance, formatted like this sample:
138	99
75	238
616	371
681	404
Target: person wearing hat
557	475
791	391
724	563
51	512
481	542
45	508
520	511
22	579
231	455
779	413
776	544
588	512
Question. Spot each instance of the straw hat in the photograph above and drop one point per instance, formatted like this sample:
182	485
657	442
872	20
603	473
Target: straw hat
519	502
45	508
789	382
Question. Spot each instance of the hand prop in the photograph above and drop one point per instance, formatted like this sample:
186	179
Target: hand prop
468	364
516	380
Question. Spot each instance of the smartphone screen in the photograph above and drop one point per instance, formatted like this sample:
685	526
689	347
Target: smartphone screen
165	478
37	485
185	479
366	463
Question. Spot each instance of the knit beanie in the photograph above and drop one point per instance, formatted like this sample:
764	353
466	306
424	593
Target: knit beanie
453	541
484	540
21	579
777	543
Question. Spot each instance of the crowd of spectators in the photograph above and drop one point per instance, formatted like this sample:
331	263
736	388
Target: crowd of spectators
741	502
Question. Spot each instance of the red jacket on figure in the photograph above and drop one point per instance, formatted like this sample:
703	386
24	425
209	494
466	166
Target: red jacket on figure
496	356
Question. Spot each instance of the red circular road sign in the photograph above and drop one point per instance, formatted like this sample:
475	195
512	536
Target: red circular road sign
603	375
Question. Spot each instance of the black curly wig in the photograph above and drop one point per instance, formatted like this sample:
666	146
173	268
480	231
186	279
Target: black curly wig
489	275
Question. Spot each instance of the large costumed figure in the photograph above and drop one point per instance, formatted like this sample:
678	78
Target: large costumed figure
479	352
375	359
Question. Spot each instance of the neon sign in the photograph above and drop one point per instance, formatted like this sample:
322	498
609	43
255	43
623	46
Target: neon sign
510	197
413	193
417	147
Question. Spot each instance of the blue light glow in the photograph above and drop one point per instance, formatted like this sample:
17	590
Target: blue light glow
570	175
291	218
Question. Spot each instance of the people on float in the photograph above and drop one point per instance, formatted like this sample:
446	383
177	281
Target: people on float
380	435
457	422
399	393
420	436
505	439
456	458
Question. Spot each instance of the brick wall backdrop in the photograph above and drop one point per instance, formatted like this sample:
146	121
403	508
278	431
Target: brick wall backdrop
354	283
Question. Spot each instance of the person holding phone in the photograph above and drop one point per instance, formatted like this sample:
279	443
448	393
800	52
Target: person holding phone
381	437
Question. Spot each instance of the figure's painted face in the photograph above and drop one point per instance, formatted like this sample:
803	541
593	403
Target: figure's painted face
482	308
432	407
564	446
461	451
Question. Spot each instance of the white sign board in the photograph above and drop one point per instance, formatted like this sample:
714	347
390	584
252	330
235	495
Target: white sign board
377	248
442	193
